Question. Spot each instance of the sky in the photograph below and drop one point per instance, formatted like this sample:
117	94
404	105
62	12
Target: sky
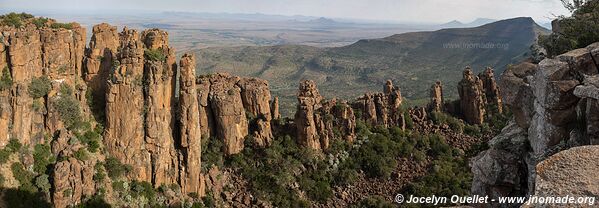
434	11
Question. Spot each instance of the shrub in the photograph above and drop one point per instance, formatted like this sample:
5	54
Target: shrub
24	177
154	55
211	153
68	108
81	154
472	130
5	79
13	145
143	188
40	22
4	155
43	183
40	87
100	175
42	156
57	25
14	19
115	168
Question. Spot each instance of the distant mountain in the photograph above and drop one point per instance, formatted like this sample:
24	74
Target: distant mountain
477	22
413	60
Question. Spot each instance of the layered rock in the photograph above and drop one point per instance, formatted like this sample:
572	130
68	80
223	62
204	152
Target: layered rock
99	59
436	96
491	89
382	108
517	92
159	84
124	135
190	175
231	108
255	95
472	100
317	120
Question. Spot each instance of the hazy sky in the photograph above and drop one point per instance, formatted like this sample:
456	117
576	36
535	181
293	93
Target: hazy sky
394	10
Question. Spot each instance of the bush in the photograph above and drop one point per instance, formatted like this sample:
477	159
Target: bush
100	175
442	118
69	110
42	156
5	79
15	19
577	31
472	130
57	25
43	183
143	188
154	55
24	177
13	145
40	22
40	87
115	168
211	153
4	155
81	154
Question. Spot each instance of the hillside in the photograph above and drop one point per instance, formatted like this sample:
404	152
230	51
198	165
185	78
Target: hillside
414	60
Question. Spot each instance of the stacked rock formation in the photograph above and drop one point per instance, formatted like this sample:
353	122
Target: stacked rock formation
491	89
436	95
547	99
230	105
382	108
472	100
131	76
316	119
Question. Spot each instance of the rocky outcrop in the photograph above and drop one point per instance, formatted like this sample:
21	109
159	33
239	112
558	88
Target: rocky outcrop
491	89
159	107
382	108
190	176
517	92
436	95
502	169
274	108
472	100
125	110
99	59
308	101
73	179
553	104
255	95
317	120
580	179
231	108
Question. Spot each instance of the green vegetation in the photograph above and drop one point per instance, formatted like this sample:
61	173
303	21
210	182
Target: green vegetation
40	22
43	183
577	31
443	118
5	79
43	157
14	19
68	108
40	87
374	202
24	177
211	153
57	25
155	55
115	168
272	171
81	154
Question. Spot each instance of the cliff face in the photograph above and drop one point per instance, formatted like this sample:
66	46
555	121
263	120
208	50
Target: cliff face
546	100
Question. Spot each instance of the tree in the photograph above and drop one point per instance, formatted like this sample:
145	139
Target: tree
577	31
